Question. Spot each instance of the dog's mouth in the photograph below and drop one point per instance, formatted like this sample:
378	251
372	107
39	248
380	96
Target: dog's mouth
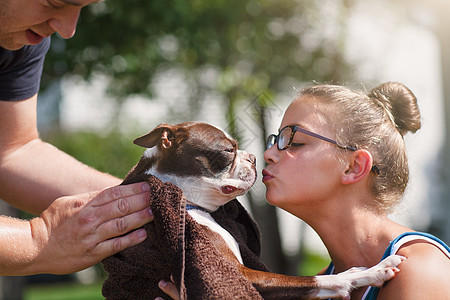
229	189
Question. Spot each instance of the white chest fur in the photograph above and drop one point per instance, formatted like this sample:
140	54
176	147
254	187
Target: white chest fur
205	219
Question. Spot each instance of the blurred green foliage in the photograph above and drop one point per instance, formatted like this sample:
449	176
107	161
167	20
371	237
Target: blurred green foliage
312	263
255	45
112	153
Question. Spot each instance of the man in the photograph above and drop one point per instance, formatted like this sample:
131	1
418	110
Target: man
77	227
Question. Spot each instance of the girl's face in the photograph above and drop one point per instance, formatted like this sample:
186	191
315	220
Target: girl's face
307	173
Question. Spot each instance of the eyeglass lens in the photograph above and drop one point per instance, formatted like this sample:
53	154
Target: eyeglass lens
282	139
271	139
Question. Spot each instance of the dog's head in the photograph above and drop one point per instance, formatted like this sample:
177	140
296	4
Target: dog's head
200	159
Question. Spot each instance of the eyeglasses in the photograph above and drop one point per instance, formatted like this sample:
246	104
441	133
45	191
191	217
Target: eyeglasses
286	136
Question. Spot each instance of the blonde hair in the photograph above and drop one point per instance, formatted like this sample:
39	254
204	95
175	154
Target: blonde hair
377	122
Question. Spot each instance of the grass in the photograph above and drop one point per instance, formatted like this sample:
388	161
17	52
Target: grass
64	291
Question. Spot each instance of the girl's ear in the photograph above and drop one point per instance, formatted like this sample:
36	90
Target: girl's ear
359	166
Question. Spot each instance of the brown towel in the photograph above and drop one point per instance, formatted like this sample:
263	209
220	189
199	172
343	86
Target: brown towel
135	272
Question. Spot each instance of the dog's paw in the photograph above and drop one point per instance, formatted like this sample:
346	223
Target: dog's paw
378	274
341	285
391	261
386	269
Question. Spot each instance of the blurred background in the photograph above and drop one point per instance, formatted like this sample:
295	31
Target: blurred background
238	64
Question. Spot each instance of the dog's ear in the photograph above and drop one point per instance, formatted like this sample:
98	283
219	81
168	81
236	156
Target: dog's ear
162	133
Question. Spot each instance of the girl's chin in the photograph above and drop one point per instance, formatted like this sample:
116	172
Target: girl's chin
272	199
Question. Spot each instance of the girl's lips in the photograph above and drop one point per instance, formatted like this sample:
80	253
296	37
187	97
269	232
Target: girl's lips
33	38
266	176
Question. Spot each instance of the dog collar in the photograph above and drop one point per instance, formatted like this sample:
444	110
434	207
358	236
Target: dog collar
190	207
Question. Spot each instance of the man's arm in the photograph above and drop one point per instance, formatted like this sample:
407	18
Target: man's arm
34	173
72	232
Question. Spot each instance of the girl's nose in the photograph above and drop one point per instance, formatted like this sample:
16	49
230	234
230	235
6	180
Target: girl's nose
270	154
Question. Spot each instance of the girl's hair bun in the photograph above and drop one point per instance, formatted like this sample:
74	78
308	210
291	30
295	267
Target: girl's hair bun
400	105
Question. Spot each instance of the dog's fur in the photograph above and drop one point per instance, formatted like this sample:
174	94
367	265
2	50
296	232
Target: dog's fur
206	164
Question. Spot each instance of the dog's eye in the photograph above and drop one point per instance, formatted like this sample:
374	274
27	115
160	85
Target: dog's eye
230	150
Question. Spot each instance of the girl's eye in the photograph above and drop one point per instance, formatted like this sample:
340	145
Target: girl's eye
297	144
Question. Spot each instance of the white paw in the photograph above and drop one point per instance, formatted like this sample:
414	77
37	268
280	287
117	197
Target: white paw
391	261
341	285
386	269
381	272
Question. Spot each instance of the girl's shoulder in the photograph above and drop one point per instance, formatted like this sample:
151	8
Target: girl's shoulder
425	274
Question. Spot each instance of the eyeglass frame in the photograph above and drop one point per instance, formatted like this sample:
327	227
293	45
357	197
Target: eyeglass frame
295	128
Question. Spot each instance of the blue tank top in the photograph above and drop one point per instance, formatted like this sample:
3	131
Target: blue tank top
372	292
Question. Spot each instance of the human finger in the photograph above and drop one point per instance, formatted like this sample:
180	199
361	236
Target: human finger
170	289
117	192
123	206
122	225
112	246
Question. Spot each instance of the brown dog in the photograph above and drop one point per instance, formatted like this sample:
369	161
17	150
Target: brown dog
205	163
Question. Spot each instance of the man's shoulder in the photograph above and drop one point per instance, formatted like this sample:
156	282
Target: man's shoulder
21	70
26	54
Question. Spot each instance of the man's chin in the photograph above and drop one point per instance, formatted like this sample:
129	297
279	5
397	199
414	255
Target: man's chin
13	48
10	44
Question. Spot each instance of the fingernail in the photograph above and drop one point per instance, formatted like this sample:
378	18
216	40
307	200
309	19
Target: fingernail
141	233
146	187
159	298
150	212
162	283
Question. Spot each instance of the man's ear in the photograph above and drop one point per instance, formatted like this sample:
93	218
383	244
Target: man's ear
359	165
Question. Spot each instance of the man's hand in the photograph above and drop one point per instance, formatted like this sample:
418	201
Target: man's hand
76	232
